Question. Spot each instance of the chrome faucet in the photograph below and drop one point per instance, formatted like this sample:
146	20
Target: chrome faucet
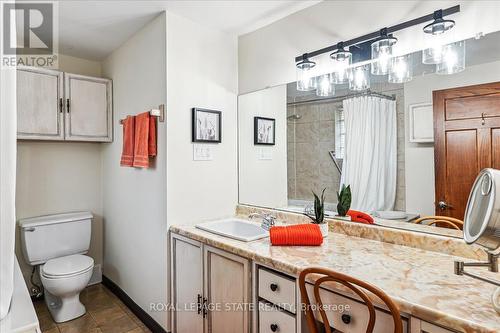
268	220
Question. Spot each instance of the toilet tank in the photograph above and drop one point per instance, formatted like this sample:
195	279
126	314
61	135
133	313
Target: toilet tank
52	236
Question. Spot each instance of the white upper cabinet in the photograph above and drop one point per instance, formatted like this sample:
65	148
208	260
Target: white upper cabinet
88	108
39	110
52	105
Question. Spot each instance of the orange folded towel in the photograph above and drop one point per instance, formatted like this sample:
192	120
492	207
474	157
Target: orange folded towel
299	234
128	142
144	140
361	217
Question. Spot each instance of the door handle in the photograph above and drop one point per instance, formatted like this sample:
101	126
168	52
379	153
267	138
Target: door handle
205	310
67	105
61	105
443	205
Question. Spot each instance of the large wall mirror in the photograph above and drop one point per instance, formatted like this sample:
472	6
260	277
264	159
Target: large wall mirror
409	146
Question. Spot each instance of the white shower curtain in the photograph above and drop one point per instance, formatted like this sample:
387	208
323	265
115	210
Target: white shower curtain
370	161
7	184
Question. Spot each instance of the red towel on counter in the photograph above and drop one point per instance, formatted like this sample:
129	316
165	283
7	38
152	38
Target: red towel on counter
145	139
128	142
299	234
361	217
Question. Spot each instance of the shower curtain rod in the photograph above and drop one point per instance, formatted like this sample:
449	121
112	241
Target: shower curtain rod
339	98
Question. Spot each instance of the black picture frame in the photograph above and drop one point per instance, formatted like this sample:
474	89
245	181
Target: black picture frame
256	139
195	126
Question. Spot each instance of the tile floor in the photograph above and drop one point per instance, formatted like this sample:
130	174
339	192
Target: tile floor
105	314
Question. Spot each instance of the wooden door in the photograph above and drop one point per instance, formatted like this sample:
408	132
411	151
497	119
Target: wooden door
88	108
467	139
227	290
187	284
39	104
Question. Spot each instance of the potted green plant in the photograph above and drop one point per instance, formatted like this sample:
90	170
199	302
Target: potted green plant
317	213
344	200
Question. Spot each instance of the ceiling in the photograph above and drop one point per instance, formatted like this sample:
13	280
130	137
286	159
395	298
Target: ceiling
93	29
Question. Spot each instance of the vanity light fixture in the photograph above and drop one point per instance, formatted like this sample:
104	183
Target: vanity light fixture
359	78
453	58
401	70
342	59
435	38
305	78
382	53
325	86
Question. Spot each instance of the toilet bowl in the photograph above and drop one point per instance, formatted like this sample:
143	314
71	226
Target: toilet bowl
63	279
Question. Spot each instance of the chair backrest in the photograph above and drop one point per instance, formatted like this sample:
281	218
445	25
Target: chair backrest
326	275
442	221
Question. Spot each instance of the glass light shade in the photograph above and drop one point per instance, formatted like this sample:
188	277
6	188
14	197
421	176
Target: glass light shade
434	52
305	76
341	61
453	58
401	69
381	53
325	86
359	78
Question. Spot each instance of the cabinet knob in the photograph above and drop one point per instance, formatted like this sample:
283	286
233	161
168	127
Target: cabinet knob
275	327
346	319
273	286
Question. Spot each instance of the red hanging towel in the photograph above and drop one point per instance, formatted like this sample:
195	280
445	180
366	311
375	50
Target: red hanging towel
128	142
152	137
299	234
141	146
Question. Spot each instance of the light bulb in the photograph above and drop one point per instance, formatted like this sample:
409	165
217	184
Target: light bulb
381	53
401	69
359	78
305	78
325	86
341	61
453	58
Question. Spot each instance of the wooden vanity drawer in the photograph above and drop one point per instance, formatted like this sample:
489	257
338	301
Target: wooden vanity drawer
273	320
338	305
277	289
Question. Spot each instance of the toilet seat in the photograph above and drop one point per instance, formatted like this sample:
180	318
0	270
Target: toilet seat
67	266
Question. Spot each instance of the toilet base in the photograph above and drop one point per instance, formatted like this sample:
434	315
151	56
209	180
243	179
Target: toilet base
64	309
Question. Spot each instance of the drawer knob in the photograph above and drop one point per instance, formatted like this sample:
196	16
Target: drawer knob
275	328
346	319
273	287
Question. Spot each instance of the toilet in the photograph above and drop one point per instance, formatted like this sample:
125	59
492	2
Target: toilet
58	244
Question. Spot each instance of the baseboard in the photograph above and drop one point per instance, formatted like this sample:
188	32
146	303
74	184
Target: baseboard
148	321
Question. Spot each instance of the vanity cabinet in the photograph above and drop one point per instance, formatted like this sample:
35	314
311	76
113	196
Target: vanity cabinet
210	288
53	105
420	326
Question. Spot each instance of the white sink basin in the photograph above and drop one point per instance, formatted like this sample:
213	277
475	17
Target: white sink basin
235	228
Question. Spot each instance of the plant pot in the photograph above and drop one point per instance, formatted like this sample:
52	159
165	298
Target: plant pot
324	229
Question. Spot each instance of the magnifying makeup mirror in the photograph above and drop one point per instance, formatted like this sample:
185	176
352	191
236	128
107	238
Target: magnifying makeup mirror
482	225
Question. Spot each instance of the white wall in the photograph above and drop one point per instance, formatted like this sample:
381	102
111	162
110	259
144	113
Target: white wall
266	56
263	181
201	72
419	158
55	177
135	232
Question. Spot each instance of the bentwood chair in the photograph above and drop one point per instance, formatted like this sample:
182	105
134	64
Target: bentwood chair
441	221
357	286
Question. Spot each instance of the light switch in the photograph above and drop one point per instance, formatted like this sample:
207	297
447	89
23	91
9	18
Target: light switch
265	154
202	153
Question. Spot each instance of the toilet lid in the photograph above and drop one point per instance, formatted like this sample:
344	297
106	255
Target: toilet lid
67	265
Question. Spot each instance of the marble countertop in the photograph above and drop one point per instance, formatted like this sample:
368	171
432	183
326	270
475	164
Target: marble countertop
421	282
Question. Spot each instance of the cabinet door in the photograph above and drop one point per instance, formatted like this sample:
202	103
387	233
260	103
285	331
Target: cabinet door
187	284
88	108
227	289
39	100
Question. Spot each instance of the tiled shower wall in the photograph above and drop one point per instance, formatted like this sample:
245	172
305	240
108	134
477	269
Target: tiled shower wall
310	138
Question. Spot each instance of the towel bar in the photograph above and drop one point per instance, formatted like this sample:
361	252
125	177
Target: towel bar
160	113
